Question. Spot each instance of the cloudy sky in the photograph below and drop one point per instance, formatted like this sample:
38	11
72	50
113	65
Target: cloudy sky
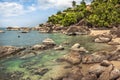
29	12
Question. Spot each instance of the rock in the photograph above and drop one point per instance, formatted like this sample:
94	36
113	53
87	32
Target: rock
1	31
76	47
96	69
105	63
41	71
77	30
49	43
115	55
75	74
60	47
115	31
89	77
104	38
106	74
9	50
24	31
73	58
95	57
25	55
38	47
16	28
56	73
115	73
114	43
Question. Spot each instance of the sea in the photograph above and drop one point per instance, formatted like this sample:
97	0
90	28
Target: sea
17	68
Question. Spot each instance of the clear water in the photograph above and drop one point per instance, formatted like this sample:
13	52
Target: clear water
45	59
26	39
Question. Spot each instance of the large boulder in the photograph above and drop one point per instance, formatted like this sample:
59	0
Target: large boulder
96	69
77	30
77	48
104	38
73	58
95	57
49	43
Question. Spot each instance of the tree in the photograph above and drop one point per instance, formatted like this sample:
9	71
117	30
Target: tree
73	4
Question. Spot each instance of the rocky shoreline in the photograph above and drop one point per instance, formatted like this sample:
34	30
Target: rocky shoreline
78	64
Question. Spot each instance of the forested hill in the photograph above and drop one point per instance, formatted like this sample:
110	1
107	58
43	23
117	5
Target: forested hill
100	13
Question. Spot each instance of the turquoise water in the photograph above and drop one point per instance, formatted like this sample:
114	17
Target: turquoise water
26	39
44	59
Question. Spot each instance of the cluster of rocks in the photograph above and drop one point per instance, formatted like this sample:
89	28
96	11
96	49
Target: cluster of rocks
109	38
24	52
100	65
6	51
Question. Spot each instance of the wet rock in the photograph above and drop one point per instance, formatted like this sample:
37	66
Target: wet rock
60	47
105	63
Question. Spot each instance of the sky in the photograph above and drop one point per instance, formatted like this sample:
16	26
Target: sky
29	13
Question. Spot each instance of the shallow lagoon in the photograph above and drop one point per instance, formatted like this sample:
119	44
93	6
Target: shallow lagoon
44	59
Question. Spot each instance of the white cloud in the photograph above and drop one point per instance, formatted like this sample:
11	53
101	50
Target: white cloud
14	9
58	4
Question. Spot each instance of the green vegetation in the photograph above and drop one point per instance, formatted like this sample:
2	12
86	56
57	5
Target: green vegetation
100	13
